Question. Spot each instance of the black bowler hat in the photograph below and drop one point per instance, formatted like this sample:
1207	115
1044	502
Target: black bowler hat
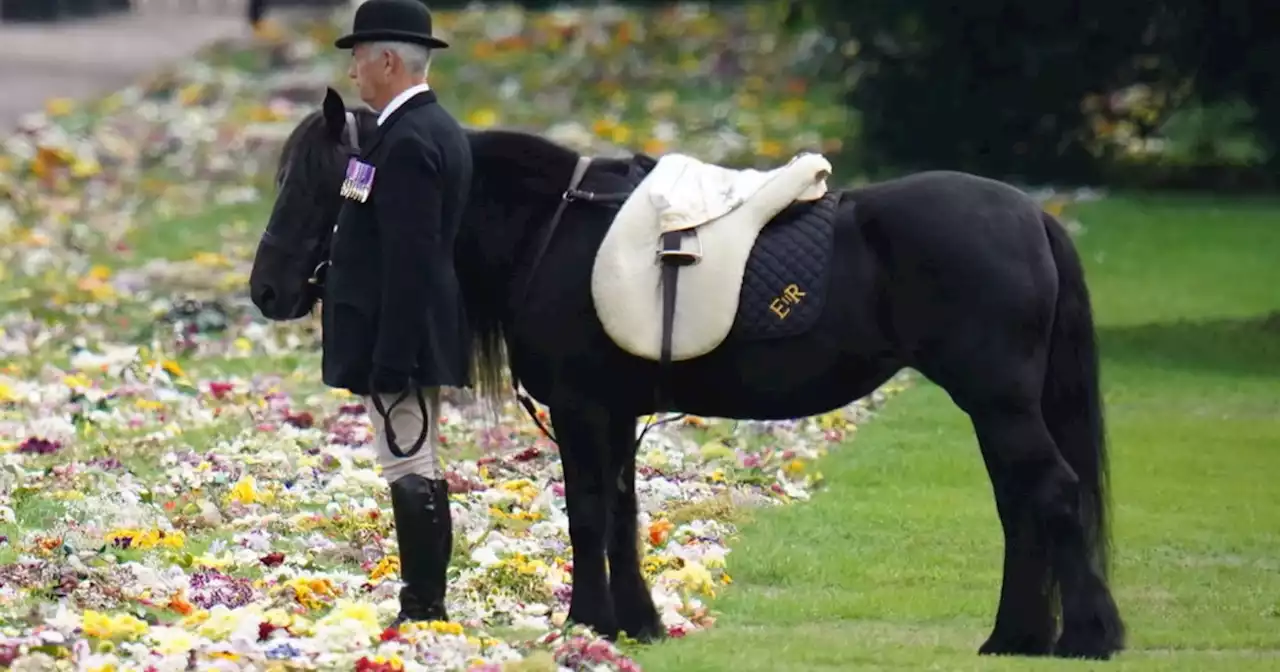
393	21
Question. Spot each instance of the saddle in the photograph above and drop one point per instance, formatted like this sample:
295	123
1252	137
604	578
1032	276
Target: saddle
691	225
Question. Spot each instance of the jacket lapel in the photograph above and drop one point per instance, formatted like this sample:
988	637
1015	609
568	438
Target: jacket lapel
422	99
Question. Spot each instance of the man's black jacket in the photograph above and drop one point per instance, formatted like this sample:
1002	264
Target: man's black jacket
392	307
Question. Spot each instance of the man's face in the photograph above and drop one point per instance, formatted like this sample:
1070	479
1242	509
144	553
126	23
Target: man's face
371	70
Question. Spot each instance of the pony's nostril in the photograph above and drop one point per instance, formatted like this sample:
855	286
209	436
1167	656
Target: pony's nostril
264	296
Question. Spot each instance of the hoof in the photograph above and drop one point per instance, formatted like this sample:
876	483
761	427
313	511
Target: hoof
1087	648
647	634
1015	645
609	631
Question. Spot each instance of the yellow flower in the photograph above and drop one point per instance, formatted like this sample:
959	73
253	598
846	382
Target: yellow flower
171	641
85	168
346	611
220	623
833	420
794	467
793	107
195	618
446	628
76	382
144	539
211	259
769	148
386	566
148	404
394	662
173	368
58	107
694	577
121	626
654	147
312	592
215	562
621	134
96	624
244	491
1055	207
484	117
190	94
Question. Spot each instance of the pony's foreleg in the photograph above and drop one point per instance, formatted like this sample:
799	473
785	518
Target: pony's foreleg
582	434
631	598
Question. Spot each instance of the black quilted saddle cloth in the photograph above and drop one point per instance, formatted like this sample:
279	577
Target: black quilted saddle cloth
786	282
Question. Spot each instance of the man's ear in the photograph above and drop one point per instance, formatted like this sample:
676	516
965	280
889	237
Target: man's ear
335	114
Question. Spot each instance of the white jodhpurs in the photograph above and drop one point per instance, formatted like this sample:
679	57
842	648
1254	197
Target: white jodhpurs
407	420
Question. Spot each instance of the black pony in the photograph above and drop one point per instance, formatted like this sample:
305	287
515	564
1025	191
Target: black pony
962	278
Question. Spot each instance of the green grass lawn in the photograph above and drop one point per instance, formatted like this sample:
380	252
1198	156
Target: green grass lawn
897	564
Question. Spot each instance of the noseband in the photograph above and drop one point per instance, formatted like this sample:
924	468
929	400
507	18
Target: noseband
353	149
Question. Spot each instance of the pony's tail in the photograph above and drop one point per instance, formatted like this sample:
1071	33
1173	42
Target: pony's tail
489	365
1071	400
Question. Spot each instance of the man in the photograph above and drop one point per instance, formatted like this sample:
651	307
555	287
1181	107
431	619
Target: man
394	327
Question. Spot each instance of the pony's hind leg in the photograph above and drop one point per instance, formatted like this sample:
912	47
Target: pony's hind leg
1038	496
997	377
1023	467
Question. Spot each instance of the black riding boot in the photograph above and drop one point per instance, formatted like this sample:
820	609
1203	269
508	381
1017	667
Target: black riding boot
424	530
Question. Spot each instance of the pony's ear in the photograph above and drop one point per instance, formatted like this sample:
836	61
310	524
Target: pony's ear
335	114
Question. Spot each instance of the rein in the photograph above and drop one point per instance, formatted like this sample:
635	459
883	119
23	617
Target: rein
571	193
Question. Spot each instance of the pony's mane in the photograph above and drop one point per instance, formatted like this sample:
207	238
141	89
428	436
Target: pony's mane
511	171
309	141
528	161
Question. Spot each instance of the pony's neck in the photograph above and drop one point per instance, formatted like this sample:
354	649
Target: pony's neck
496	245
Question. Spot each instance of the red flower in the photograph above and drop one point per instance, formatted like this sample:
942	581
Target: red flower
366	665
527	454
220	390
265	629
303	420
272	559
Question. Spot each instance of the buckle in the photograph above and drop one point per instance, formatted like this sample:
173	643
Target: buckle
317	275
680	257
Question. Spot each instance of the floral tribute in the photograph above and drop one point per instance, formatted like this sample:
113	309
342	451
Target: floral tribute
178	492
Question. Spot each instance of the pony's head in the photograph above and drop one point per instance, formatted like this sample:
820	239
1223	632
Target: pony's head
290	262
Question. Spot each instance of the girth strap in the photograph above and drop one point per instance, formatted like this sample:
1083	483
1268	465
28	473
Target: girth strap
672	257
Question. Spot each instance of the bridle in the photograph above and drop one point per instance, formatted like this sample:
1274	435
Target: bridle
353	149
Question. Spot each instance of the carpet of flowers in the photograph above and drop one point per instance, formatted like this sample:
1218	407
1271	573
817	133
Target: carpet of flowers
177	492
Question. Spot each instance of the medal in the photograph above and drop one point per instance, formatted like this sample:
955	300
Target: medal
359	180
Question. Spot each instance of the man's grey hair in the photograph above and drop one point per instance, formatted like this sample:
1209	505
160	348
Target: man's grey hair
416	58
